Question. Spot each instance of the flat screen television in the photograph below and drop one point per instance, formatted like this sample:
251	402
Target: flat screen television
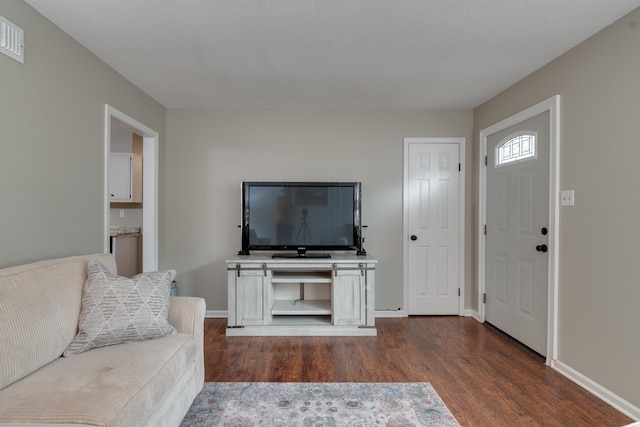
301	217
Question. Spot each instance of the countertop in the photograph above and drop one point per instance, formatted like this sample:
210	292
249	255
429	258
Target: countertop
115	231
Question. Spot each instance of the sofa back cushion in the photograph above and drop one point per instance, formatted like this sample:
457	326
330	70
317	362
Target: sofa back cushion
39	310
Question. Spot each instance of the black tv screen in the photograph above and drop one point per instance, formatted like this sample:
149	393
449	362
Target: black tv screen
280	216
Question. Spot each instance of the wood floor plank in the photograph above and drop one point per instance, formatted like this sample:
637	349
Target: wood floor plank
484	378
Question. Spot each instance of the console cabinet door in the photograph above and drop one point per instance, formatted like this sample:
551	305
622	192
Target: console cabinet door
250	298
349	298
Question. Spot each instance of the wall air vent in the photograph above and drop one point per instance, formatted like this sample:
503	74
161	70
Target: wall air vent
11	40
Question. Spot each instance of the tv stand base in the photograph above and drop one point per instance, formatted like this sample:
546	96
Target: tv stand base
301	331
301	295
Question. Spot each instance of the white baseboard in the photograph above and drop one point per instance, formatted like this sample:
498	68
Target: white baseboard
390	313
402	313
596	389
216	314
471	313
219	314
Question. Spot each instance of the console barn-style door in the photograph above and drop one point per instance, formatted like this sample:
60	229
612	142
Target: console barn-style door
434	218
249	296
349	297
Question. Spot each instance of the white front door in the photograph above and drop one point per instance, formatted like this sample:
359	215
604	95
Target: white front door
433	192
517	227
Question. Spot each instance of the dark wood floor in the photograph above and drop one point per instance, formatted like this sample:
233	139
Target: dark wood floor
483	377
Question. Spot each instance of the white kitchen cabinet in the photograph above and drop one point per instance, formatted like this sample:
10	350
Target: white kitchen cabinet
301	296
125	177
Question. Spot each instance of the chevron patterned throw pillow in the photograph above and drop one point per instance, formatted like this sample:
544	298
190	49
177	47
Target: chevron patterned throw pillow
118	310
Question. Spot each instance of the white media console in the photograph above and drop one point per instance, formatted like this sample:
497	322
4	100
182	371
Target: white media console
301	296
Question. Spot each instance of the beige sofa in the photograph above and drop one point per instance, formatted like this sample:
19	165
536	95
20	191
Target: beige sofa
145	383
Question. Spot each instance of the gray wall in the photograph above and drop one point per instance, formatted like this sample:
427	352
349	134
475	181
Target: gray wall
211	152
599	287
51	141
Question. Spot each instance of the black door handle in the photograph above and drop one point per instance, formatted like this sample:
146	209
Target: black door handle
414	237
541	248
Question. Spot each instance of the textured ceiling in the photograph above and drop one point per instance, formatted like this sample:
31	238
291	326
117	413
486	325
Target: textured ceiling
337	54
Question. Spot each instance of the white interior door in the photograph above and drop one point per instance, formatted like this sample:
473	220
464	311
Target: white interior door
433	181
516	242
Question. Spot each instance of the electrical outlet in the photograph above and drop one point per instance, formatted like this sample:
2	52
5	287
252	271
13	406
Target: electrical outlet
566	198
121	213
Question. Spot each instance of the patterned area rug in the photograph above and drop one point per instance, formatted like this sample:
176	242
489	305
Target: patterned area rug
318	404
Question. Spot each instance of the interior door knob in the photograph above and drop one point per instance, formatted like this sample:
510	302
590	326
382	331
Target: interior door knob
414	237
541	248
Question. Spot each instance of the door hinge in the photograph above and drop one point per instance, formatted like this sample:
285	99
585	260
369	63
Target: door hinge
486	160
484	298
485	229
459	167
458	291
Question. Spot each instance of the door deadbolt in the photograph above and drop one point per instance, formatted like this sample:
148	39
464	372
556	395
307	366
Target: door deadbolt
544	231
414	237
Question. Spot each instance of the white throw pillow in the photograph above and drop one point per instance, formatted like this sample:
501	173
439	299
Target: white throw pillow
118	310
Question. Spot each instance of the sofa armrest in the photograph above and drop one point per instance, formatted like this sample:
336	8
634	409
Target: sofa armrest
186	314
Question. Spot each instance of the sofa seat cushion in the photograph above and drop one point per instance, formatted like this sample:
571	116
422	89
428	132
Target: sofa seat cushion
118	385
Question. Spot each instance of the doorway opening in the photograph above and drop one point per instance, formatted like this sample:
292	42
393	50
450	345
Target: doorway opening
149	136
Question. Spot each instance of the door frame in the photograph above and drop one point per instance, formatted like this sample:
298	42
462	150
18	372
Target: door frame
149	186
552	105
461	142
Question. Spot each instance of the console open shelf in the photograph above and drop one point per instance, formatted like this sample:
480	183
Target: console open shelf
301	320
301	276
313	307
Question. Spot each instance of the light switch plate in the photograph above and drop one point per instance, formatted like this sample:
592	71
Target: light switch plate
566	198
